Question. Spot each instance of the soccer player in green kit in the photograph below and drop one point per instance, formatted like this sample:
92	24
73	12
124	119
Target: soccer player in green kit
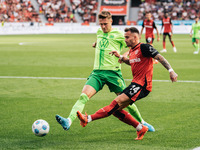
107	70
195	36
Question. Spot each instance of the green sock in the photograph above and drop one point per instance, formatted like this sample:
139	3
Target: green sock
195	46
79	105
133	110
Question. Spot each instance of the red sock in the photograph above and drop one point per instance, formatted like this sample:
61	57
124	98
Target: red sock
164	45
125	117
172	43
105	111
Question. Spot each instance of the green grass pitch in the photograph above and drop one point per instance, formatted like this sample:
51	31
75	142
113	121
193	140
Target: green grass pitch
172	108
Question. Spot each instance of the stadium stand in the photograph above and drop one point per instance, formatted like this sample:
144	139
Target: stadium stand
87	9
18	11
56	11
178	10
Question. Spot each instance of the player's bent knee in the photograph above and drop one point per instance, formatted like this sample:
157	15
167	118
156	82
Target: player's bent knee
83	98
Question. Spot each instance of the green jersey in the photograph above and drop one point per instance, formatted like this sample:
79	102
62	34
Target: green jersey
196	28
107	42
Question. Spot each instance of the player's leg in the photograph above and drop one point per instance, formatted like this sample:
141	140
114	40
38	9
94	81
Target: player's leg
196	46
164	44
125	117
117	84
115	108
92	86
172	42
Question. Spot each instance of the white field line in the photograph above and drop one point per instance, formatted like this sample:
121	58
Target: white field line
71	78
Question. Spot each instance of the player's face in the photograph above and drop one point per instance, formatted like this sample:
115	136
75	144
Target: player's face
148	16
131	39
106	24
197	19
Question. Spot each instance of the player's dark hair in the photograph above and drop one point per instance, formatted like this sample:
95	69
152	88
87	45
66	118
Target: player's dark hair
105	14
132	30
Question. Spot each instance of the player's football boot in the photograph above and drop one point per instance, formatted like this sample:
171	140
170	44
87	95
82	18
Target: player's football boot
83	118
174	49
64	122
150	127
163	51
196	52
140	134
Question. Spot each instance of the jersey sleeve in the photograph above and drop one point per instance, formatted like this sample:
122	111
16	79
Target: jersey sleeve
148	50
120	38
154	25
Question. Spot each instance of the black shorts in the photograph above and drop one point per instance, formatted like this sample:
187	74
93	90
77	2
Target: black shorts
149	40
135	91
167	33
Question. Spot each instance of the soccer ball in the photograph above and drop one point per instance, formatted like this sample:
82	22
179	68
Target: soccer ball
40	127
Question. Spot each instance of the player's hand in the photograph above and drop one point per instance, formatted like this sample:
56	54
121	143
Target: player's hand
115	53
94	44
190	35
120	61
158	39
173	76
140	36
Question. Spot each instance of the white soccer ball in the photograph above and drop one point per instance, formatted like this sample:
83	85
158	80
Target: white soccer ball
40	127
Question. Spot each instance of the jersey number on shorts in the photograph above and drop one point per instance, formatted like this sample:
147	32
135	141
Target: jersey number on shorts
134	90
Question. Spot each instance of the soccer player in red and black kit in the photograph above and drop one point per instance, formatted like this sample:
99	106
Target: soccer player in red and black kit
149	26
141	62
167	24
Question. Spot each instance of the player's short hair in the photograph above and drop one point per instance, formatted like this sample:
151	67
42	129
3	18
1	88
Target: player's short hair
105	14
132	30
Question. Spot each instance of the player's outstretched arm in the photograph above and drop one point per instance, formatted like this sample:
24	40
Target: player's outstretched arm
121	57
165	63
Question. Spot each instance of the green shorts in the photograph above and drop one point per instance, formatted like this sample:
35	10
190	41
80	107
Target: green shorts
113	79
194	39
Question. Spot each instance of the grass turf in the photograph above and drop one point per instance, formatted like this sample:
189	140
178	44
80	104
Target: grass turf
173	109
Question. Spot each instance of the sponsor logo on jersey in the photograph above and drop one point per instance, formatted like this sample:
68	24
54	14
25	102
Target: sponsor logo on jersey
103	43
134	60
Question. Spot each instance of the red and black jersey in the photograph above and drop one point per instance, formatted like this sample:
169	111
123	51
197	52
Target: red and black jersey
166	22
141	61
149	26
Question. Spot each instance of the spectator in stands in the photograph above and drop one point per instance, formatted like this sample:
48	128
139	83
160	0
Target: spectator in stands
178	10
56	11
18	11
87	9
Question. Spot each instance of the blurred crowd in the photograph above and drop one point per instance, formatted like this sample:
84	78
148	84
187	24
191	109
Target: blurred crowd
56	11
177	10
18	11
87	9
